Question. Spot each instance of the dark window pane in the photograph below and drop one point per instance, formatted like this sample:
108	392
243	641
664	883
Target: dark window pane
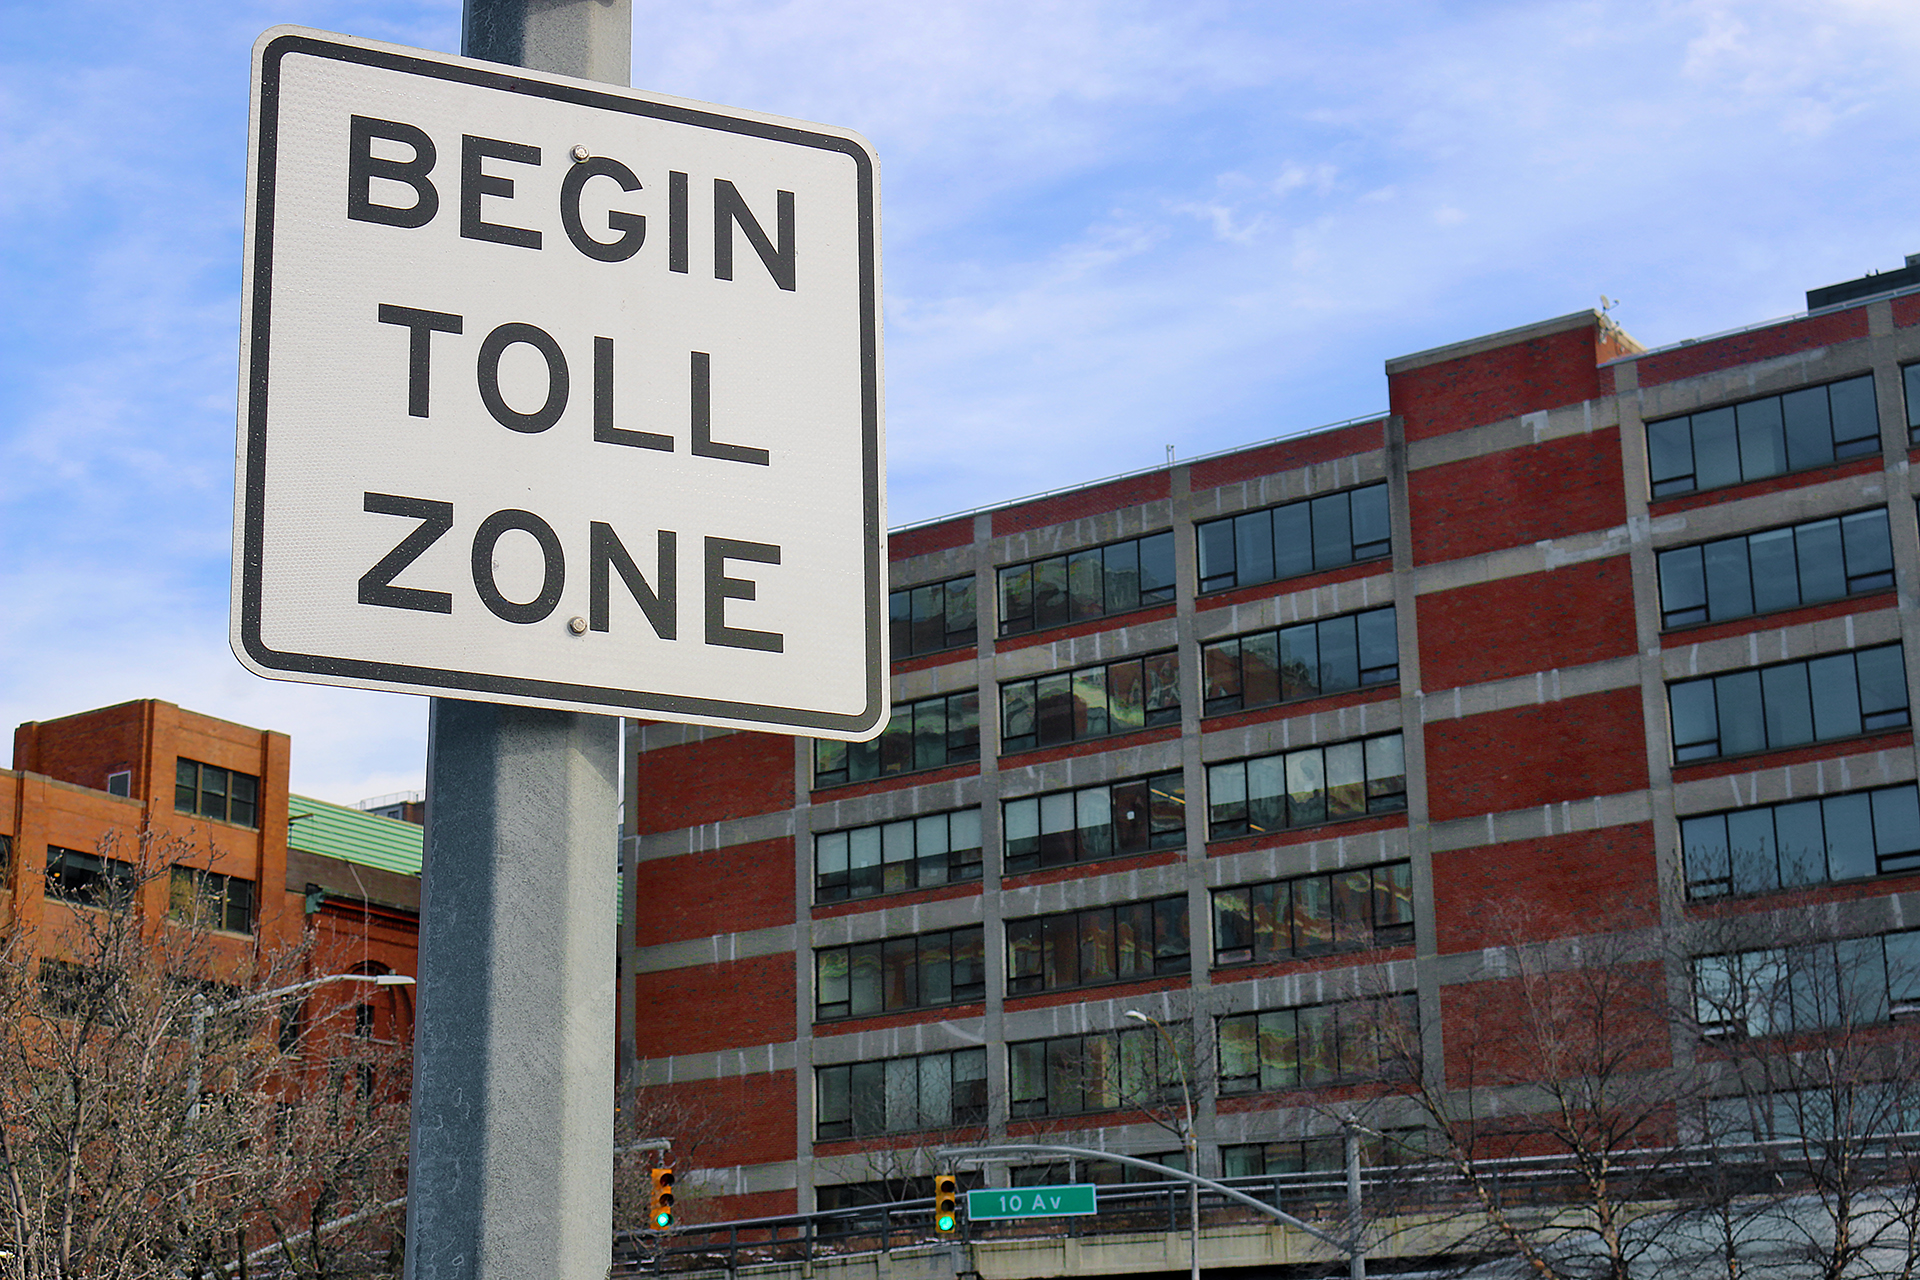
1738	705
1022	833
1379	646
186	786
1126	697
1156	568
1763	450
1232	926
1266	794
1800	843
866	991
900	972
1272	906
1220	676
1025	970
1086	585
1836	696
1883	687
1339	654
1018	722
1896	826
929	618
1849	823
1332	531
1133	939
1097	959
1050	592
1789	714
1090	702
1670	456
1131	824
1260	669
1809	427
1173	942
1696	729
1121	563
1216	555
1054	698
969	963
1856	424
963	726
1716	449
1683	587
1869	551
1016	599
1776	566
1729	586
930	733
1163	687
961	620
1911	377
1312	915
1370	524
1293	540
1253	546
1823	569
1753	853
1299	662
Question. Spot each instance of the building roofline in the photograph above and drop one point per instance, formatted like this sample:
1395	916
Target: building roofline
1765	324
1505	338
1010	503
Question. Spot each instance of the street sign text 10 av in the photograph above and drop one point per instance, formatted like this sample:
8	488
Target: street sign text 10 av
558	394
1073	1199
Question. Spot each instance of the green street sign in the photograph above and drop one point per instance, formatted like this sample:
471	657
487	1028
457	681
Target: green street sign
1075	1198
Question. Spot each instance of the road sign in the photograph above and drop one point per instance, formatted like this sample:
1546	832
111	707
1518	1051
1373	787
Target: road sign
558	394
1073	1199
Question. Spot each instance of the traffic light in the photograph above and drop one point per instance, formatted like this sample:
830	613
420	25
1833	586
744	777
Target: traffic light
660	1208
946	1210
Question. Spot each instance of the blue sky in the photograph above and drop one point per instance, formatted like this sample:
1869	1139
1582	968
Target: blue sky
1109	227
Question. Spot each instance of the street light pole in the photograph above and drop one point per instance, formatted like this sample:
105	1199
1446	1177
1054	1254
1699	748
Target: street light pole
1192	1145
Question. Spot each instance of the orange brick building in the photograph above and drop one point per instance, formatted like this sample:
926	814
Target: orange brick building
274	871
1577	634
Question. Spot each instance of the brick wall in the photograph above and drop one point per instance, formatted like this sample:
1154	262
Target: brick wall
1488	386
1565	617
736	1120
731	776
1285	455
1077	503
736	1004
697	895
1573	749
1555	886
1759	344
1517	496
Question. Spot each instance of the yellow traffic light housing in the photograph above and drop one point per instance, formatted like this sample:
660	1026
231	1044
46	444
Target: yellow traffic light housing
660	1206
946	1207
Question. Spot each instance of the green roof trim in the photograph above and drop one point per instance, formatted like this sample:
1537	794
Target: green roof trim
336	831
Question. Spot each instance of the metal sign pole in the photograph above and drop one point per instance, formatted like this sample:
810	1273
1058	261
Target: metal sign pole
512	1155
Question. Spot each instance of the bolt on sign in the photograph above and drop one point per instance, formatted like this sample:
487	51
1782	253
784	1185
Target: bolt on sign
558	394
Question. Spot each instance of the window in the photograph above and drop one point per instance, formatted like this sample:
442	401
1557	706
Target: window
1116	578
1911	375
1305	661
6	857
1104	1071
1326	1154
1102	1173
920	735
901	1095
211	900
1776	569
88	879
1100	944
210	792
120	783
1091	702
1305	787
1301	537
1789	704
1313	1045
1314	915
900	973
927	619
1867	833
888	857
1850	982
1064	827
1765	437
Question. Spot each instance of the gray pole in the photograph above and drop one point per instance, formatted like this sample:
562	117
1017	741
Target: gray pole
512	1161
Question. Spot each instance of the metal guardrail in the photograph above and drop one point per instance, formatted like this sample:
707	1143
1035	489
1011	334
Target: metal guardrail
1664	1173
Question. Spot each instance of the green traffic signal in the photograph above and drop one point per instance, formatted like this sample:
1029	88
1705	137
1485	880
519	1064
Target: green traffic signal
945	1222
662	1220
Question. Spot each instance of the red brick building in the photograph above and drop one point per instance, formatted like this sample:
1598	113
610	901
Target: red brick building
1250	741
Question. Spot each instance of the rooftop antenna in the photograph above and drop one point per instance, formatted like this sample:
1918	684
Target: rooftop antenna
1169	455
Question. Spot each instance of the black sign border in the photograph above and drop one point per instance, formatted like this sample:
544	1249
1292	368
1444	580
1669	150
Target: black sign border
434	680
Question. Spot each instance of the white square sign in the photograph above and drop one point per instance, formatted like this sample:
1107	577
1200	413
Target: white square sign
558	394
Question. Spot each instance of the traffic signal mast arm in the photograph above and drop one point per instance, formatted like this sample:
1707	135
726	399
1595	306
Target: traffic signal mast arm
1346	1247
